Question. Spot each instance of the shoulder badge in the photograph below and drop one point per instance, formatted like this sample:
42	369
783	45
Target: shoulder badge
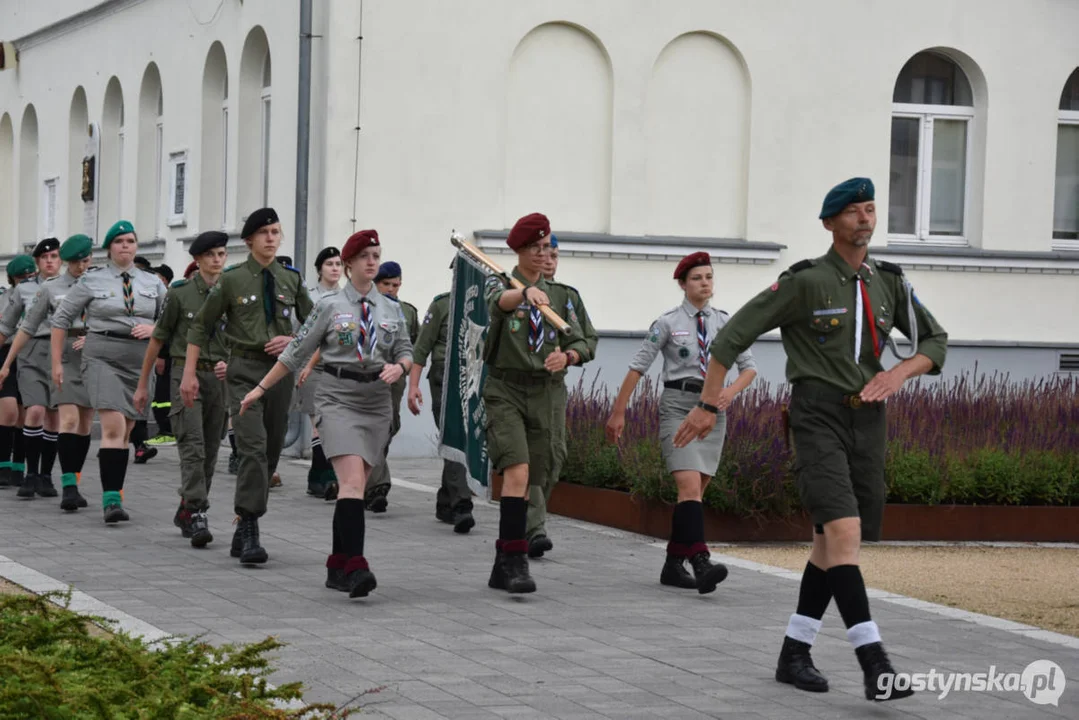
889	266
440	297
802	265
179	283
289	267
232	267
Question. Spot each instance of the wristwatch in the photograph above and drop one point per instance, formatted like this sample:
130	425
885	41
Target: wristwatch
710	408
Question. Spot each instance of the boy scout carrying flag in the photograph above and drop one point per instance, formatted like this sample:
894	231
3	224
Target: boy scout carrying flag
834	314
261	298
524	358
199	428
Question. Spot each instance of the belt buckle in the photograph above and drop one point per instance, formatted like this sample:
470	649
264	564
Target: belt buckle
854	401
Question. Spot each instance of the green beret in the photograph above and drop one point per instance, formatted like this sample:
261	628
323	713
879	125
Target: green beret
855	190
21	265
76	247
121	227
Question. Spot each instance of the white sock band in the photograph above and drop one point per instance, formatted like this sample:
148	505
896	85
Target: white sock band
803	628
863	633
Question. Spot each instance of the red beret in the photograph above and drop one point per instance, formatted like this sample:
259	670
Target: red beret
528	230
358	243
190	269
689	262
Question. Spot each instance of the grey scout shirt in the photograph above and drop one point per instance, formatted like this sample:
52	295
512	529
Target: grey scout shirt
334	328
675	334
100	292
19	301
53	291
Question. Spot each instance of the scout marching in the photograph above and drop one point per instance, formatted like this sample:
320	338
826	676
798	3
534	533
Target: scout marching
243	340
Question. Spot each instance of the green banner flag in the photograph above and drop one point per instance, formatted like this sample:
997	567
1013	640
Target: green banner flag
464	416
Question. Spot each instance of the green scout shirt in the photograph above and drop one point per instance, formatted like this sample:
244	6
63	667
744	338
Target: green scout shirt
239	295
814	305
434	333
507	337
412	317
575	313
182	303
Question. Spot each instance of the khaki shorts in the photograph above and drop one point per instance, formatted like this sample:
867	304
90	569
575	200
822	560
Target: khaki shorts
839	457
520	428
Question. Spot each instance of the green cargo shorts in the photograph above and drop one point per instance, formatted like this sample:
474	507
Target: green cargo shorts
520	424
839	449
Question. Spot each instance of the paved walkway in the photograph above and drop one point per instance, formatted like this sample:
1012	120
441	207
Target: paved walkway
600	639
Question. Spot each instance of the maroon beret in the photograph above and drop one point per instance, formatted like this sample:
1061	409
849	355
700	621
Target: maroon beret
190	269
359	242
528	230
689	262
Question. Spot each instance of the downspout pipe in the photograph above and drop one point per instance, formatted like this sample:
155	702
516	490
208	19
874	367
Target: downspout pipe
303	137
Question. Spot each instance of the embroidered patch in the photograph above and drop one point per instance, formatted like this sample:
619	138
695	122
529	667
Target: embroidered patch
775	286
680	333
427	318
831	311
284	312
515	325
683	352
551	335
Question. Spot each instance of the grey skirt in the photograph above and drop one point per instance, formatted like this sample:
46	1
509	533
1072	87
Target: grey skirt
35	367
305	394
73	391
700	455
353	418
110	370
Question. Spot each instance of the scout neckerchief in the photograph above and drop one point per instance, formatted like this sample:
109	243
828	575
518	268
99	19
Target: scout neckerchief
367	329
535	329
129	297
861	298
702	344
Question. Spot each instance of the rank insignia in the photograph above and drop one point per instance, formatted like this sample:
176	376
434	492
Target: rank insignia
683	352
515	325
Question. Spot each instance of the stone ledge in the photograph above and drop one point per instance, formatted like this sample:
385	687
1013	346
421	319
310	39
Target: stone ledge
969	259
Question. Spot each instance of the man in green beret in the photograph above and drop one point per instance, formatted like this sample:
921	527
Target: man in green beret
261	298
73	403
835	314
199	428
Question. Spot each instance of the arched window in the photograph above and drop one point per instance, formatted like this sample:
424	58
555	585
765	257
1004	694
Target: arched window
213	187
932	111
264	162
110	196
77	135
151	149
1066	198
28	177
8	183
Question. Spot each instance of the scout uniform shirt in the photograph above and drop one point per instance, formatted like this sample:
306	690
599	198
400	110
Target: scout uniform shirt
337	327
254	316
575	313
678	335
19	301
520	339
816	305
109	307
434	333
182	303
52	293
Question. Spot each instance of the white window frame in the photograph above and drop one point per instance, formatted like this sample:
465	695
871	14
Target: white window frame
927	114
225	163
177	219
50	190
264	137
1066	117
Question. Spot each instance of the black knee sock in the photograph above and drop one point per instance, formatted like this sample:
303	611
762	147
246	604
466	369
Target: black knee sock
6	434
687	529
48	452
318	455
336	547
84	450
18	448
513	517
69	447
815	593
32	443
352	525
112	464
232	440
848	588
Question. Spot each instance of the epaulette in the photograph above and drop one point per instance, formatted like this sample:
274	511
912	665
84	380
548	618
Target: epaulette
439	297
724	313
403	302
889	266
233	267
289	267
672	311
54	277
94	268
802	265
179	283
568	287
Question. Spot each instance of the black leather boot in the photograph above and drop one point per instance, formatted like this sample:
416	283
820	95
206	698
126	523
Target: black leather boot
708	574
538	545
335	572
45	488
5	477
69	499
182	520
795	667
674	573
198	528
237	548
29	486
252	552
462	519
376	499
875	663
115	513
358	577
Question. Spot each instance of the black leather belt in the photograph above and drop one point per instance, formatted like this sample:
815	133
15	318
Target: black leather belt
522	377
201	365
117	335
685	384
364	376
252	354
76	332
827	393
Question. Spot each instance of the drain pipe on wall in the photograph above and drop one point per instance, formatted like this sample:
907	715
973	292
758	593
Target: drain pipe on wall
303	137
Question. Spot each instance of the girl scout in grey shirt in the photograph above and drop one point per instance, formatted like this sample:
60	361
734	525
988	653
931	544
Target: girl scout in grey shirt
682	334
363	344
121	304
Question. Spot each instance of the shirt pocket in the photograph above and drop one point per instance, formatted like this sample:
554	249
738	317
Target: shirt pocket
286	305
387	333
146	301
827	323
